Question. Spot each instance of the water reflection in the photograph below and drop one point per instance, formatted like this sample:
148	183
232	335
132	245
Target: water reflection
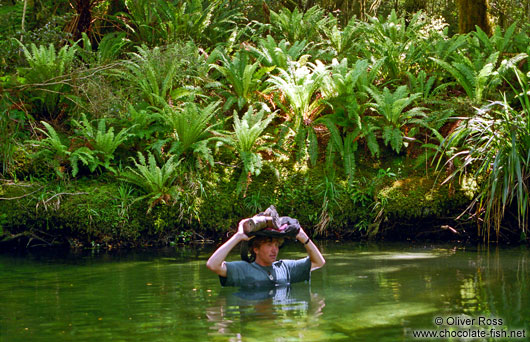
281	306
364	293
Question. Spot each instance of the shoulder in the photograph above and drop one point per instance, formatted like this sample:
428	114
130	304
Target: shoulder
293	263
238	264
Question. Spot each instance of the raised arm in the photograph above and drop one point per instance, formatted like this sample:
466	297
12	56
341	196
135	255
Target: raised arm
216	263
317	260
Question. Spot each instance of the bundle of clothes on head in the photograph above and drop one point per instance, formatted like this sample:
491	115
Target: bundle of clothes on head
268	224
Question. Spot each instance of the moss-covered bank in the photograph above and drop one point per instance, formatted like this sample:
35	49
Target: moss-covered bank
86	213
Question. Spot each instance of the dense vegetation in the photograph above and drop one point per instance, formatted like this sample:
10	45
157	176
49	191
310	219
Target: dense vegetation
165	121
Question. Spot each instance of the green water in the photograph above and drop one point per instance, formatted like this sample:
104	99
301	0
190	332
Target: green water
366	292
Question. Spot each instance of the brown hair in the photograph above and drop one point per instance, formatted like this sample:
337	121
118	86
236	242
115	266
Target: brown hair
256	242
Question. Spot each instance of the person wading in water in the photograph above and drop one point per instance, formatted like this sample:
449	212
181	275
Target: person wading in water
262	269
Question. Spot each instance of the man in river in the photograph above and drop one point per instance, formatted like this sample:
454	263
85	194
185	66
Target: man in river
264	270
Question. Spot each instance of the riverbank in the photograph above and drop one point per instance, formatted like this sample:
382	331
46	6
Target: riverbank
383	203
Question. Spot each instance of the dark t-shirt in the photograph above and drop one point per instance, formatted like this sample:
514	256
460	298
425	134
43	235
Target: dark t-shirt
282	272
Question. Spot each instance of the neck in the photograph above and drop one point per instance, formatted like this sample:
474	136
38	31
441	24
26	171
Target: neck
262	263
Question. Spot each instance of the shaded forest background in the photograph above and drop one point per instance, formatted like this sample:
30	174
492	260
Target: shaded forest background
157	122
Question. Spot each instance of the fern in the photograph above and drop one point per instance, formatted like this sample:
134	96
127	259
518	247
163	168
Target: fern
278	54
190	128
102	142
400	43
494	146
51	150
425	86
156	183
108	49
45	75
480	76
160	22
343	42
498	42
346	147
391	107
151	72
296	25
242	77
444	49
246	139
299	84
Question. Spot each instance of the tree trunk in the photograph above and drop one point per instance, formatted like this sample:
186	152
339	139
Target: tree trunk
413	6
85	18
362	9
116	6
473	13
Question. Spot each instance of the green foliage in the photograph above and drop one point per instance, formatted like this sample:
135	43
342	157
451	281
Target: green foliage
343	88
474	78
157	184
343	43
497	42
248	141
94	147
297	25
392	108
108	49
421	84
101	142
330	191
190	129
345	92
478	76
403	45
159	75
278	54
47	85
141	122
12	133
151	73
496	144
300	84
345	146
161	22
243	78
55	153
363	192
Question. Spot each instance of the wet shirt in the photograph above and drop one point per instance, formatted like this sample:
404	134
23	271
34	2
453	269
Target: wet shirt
282	272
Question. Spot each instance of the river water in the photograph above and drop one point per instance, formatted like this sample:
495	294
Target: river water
366	292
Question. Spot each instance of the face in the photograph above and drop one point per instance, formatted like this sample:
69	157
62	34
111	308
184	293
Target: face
267	252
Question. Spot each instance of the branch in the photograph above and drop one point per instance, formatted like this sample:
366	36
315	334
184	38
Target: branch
19	197
65	193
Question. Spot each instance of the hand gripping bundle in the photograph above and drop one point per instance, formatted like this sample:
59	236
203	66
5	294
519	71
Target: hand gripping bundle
270	224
